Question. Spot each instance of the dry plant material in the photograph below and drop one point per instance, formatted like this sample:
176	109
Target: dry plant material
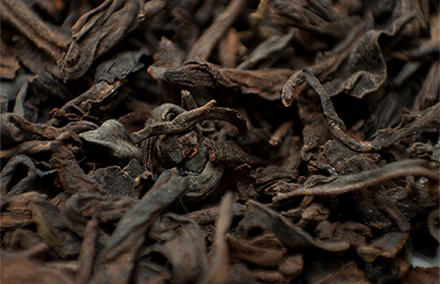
205	141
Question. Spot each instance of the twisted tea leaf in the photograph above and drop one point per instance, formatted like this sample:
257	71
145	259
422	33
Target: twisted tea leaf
187	120
337	185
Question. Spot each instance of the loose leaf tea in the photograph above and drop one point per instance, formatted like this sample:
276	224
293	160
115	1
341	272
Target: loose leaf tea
238	141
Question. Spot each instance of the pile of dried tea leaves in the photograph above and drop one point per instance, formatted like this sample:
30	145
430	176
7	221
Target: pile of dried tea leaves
202	141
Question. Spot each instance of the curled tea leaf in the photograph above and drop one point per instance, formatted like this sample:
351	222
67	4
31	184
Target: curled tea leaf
114	139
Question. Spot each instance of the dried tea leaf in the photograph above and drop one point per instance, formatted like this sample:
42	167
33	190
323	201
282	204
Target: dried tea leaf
51	230
15	212
187	31
9	64
114	139
229	152
319	18
116	181
185	121
95	33
21	239
354	233
218	271
50	43
202	48
201	185
422	150
268	48
30	271
50	132
167	54
243	179
347	183
10	134
228	49
80	208
387	246
119	66
209	215
151	9
63	161
266	83
87	252
348	273
180	241
425	121
130	231
264	250
45	82
356	77
260	218
422	275
98	95
11	168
